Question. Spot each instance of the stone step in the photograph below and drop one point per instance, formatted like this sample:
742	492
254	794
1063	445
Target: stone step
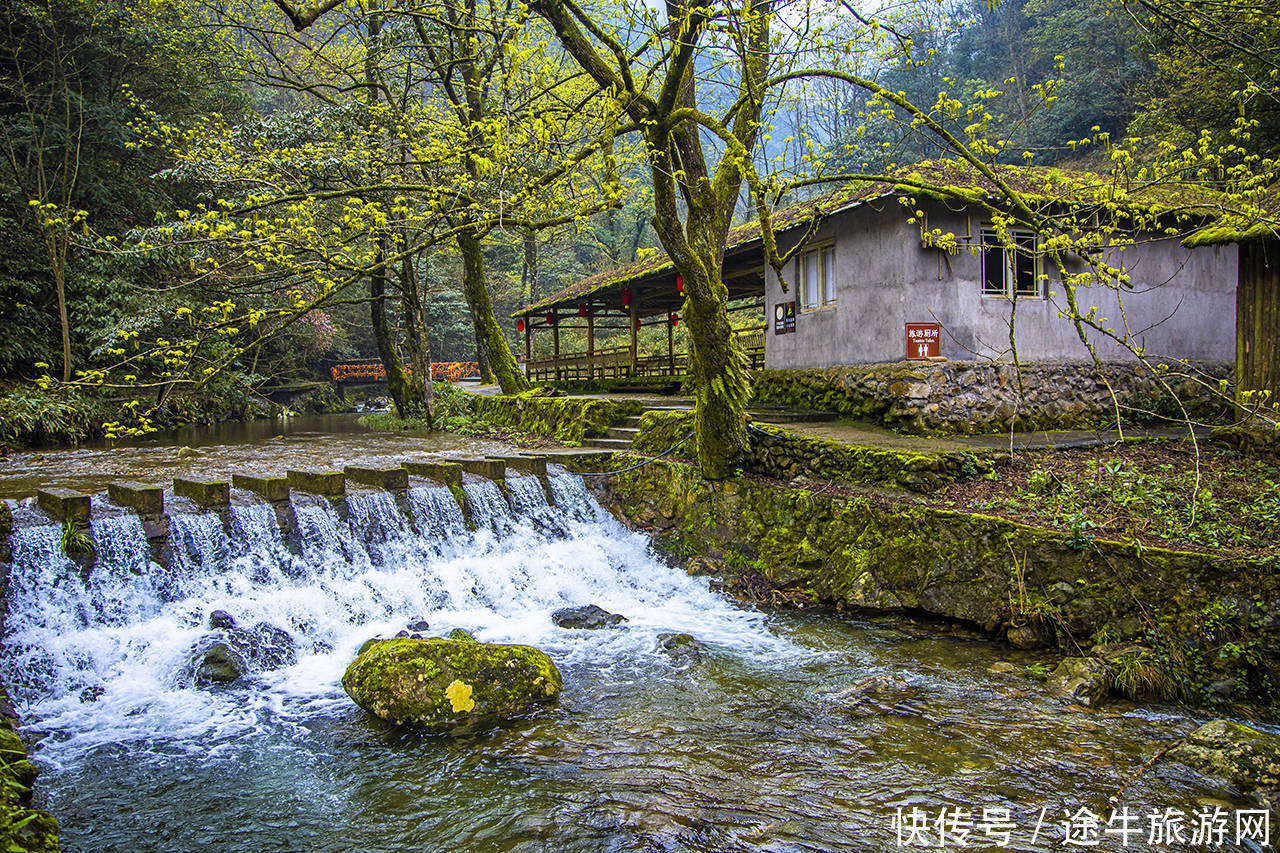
784	416
629	423
609	443
628	433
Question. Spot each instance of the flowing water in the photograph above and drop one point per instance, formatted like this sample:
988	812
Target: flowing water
743	747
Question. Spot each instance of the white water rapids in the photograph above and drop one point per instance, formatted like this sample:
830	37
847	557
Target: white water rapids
105	658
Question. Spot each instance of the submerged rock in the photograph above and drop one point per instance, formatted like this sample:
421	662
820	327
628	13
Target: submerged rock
873	695
450	685
681	648
218	662
1081	680
226	654
588	616
1244	757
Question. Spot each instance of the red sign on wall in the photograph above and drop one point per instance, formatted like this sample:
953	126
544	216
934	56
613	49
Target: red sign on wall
924	340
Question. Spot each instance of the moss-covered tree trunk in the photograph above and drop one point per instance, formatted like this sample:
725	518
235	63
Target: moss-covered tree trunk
415	326
397	381
491	344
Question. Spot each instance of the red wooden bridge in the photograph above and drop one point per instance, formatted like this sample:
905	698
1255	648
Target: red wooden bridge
363	373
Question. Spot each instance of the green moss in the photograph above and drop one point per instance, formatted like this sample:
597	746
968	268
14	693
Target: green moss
408	682
567	419
1197	620
23	829
786	455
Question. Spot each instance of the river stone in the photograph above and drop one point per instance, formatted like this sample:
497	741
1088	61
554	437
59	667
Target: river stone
588	616
446	686
873	695
224	655
681	648
1026	637
1243	756
1082	680
219	663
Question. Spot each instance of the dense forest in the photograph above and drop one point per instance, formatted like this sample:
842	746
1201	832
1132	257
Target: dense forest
200	200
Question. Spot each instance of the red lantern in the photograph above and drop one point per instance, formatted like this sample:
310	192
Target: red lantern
675	320
520	325
582	310
551	318
679	283
626	298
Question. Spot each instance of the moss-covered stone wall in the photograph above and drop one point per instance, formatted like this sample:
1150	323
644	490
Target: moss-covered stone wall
566	419
23	829
925	398
1204	619
786	455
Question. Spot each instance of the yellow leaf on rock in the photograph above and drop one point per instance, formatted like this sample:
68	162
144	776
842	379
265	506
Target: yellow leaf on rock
459	694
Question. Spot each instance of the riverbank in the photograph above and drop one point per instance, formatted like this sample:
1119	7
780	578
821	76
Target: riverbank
1198	627
32	418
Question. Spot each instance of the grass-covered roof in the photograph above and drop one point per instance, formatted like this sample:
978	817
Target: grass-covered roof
1199	208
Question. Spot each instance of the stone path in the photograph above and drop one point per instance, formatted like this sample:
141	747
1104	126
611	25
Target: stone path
865	434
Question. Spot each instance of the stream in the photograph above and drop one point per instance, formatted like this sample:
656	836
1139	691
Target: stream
747	746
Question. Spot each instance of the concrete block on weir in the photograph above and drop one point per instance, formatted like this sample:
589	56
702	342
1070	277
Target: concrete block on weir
447	473
273	489
389	479
206	493
531	464
494	469
65	505
332	484
145	500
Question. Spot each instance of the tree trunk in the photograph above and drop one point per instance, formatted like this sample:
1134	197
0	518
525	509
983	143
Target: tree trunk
717	371
60	283
491	345
421	396
397	382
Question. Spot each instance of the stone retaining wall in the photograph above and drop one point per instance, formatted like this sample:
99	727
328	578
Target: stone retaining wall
979	396
786	455
1035	586
566	419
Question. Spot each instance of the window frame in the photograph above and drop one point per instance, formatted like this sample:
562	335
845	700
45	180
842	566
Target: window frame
988	240
827	296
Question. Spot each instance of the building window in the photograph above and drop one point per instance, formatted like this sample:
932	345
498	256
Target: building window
817	273
1008	272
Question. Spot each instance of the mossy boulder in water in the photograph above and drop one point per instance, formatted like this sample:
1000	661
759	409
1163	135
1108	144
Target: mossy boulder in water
1081	680
450	685
1245	757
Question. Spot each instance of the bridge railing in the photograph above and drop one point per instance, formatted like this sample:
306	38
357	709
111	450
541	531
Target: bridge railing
373	371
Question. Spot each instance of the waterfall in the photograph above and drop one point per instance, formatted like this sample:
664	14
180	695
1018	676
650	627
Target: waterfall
489	508
110	659
124	579
256	538
199	542
436	513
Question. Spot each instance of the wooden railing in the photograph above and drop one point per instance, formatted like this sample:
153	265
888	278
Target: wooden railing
615	362
357	373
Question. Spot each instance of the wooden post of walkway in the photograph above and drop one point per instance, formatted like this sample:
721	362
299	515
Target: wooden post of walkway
528	343
555	343
635	327
591	344
671	345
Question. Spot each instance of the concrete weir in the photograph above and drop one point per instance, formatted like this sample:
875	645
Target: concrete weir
153	504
